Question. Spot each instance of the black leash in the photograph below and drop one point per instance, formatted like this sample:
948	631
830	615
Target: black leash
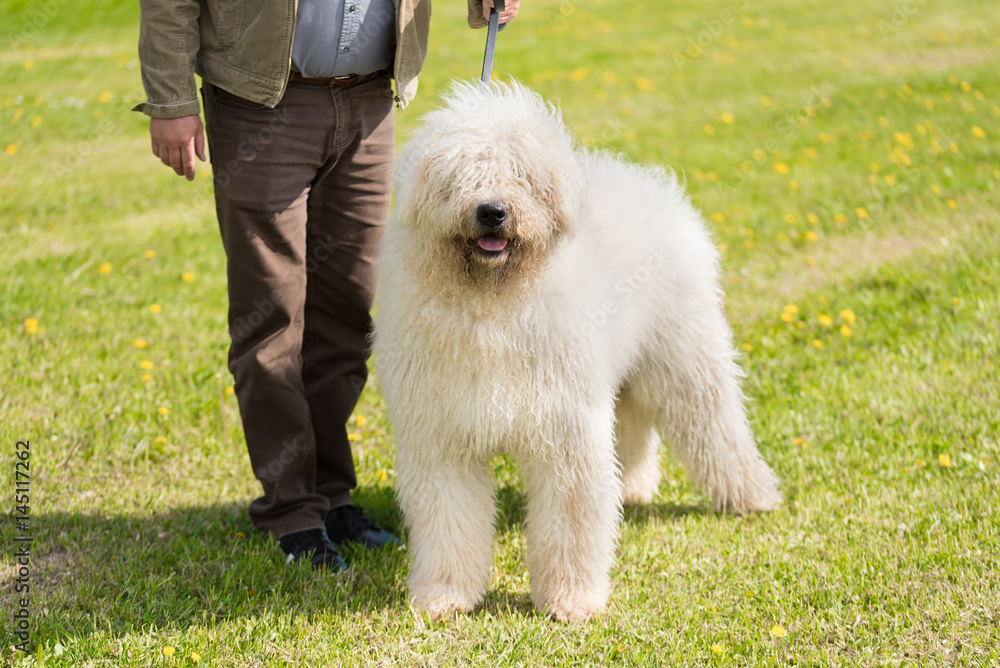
491	40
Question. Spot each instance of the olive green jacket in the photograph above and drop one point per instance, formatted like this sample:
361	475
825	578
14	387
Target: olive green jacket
245	47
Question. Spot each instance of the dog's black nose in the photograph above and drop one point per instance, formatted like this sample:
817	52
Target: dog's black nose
491	214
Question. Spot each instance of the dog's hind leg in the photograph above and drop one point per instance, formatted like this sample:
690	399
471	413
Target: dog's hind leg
638	447
697	385
574	502
448	508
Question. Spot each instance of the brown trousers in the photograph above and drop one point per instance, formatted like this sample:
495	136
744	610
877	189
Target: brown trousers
302	195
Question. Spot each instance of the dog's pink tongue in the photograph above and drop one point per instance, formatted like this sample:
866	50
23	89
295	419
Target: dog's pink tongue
492	243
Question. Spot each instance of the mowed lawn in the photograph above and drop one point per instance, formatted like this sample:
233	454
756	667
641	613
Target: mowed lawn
847	157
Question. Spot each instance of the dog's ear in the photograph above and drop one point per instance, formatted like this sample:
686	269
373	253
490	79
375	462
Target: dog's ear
563	195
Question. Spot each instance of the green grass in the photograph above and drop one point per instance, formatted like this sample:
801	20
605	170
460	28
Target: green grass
881	555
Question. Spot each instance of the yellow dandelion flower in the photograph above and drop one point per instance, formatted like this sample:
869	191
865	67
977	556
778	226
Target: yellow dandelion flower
139	343
800	324
920	463
817	344
906	89
928	103
146	365
353	437
361	420
952	204
794	184
29	63
953	147
889	179
643	84
810	152
31	326
11	149
826	137
861	213
825	320
978	131
787	317
903	138
727	117
936	189
160	439
812	218
873	167
149	255
187	277
104	269
163	410
765	101
381	475
146	378
747	22
716	648
778	631
789	217
229	390
195	657
718	217
747	347
812	236
883	121
845	331
966	86
36	121
759	154
711	176
781	168
790	308
168	651
708	129
155	308
104	97
848	316
578	74
801	442
944	460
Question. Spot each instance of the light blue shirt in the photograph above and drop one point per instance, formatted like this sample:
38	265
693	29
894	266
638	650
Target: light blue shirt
336	38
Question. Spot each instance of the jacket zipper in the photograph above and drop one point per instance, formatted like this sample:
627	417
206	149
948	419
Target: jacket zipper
291	42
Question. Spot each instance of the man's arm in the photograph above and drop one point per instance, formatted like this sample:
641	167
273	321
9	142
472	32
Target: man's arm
168	46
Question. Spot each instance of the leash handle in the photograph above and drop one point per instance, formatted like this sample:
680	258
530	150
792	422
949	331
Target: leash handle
491	40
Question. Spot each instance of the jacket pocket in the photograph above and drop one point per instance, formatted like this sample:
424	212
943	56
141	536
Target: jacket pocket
227	15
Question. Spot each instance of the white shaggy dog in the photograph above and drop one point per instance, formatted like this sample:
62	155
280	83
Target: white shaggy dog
560	306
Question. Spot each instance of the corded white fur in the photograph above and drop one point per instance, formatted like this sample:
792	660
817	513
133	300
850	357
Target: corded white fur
603	328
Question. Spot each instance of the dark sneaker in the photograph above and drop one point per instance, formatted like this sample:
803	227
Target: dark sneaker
348	523
314	545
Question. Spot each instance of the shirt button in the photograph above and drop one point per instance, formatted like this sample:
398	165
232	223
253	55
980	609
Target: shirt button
352	8
345	49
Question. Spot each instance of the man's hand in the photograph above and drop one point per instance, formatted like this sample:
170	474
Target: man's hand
509	10
176	141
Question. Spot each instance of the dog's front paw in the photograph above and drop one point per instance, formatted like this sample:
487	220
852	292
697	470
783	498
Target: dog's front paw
576	609
443	602
760	489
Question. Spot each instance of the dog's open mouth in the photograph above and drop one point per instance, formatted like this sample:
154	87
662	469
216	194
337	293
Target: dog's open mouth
491	244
